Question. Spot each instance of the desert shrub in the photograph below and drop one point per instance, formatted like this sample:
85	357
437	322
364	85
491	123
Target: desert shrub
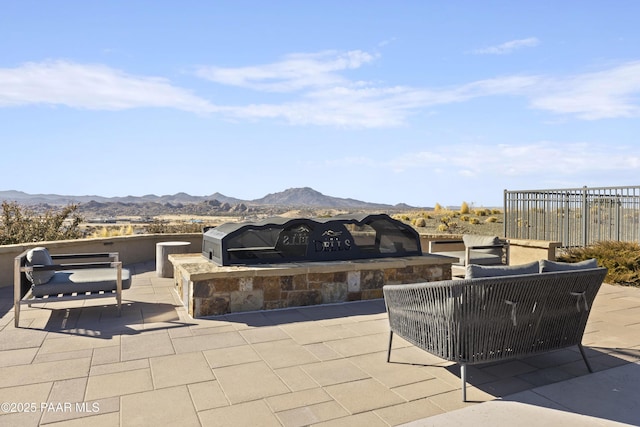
445	219
491	219
464	208
113	231
437	208
622	259
474	221
496	212
420	222
443	227
20	224
464	217
482	212
454	227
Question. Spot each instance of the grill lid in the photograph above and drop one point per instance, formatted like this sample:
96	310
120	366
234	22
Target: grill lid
283	240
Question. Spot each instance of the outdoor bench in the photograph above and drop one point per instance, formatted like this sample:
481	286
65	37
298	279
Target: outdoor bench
40	277
472	249
487	319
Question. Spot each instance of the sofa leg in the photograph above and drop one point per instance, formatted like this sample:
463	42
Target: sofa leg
584	357
389	350
463	378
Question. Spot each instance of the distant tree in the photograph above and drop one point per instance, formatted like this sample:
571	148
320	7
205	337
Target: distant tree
19	224
464	208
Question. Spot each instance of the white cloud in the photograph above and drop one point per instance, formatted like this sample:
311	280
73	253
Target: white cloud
339	106
599	95
93	87
312	89
508	47
470	172
534	159
295	72
328	98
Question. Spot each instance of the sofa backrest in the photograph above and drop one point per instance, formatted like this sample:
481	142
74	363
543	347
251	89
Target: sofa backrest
484	319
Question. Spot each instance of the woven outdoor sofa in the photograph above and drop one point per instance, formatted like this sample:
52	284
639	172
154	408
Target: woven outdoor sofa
41	277
484	319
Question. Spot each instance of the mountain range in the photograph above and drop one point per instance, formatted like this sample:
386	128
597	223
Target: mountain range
292	197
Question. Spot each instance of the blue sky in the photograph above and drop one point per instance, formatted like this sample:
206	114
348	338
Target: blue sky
420	102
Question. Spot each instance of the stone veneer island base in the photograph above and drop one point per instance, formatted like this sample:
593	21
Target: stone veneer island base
207	289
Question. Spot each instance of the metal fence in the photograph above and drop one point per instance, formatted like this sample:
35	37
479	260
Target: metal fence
573	216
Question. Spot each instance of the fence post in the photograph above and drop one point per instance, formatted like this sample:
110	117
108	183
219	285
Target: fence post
618	203
585	219
504	208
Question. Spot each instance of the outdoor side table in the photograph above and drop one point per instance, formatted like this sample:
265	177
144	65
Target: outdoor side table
164	268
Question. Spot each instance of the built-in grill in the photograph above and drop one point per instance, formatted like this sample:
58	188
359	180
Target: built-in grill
282	240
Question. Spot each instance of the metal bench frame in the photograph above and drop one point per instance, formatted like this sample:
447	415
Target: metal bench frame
22	286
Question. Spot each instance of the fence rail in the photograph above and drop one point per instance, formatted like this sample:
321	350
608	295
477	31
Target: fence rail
573	216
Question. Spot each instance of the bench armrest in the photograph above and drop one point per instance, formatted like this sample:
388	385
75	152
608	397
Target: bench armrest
75	266
436	246
109	255
486	247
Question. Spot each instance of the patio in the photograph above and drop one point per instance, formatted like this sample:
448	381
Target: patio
321	365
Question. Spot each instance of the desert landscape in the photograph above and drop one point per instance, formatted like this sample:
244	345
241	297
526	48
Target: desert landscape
103	217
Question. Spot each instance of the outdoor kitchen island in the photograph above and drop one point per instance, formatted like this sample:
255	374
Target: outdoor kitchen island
280	263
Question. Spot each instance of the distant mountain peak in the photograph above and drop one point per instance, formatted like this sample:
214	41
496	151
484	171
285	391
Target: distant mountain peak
308	197
291	197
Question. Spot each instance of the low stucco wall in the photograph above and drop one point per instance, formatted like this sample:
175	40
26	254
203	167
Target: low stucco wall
142	248
132	249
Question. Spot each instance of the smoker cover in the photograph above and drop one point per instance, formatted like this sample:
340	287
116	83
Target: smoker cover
279	240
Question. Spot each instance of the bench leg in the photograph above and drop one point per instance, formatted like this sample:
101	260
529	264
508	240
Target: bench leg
16	311
584	356
119	288
389	350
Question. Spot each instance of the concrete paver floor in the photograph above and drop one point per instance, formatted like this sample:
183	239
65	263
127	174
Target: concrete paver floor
77	362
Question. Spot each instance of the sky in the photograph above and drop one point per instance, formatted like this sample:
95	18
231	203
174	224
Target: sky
418	102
